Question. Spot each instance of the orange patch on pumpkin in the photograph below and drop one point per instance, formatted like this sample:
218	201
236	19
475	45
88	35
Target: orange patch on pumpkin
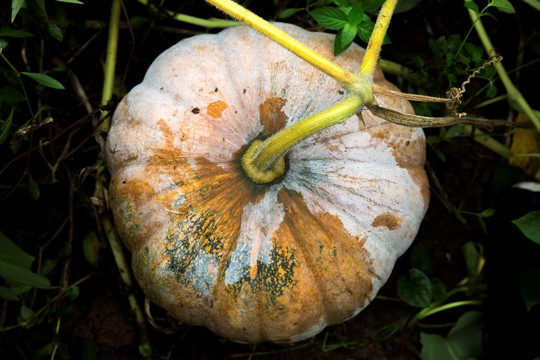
391	221
216	108
272	116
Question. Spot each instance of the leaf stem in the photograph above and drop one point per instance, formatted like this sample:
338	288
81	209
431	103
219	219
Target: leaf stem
264	27
377	37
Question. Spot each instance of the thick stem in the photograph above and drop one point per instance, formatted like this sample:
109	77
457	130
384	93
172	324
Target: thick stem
377	37
264	27
263	162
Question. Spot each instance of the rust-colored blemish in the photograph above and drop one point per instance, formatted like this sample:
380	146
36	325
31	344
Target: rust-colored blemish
389	220
216	108
272	116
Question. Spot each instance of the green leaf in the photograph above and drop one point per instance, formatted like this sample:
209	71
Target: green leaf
472	5
405	5
421	258
504	6
71	2
19	275
438	290
329	17
33	187
344	38
16	5
415	291
12	254
528	284
56	32
45	80
289	12
15	33
372	6
6	126
356	15
472	258
529	224
8	294
464	341
26	312
491	91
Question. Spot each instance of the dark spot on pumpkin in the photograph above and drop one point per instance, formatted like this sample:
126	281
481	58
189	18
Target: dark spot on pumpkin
216	90
124	181
341	92
244	91
196	110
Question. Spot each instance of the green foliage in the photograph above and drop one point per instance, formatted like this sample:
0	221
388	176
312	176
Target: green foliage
529	224
15	268
464	341
528	285
415	290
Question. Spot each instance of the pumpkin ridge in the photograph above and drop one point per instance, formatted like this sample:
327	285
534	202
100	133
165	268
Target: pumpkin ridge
343	304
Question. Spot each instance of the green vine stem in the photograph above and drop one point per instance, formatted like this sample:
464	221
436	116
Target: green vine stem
513	93
210	23
431	310
110	61
100	189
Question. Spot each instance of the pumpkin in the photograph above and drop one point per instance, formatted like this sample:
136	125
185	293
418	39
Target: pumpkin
274	262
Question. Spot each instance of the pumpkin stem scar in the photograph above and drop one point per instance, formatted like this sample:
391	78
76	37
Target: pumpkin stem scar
263	162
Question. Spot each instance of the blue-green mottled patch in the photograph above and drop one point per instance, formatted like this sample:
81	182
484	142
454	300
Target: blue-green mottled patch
272	278
195	250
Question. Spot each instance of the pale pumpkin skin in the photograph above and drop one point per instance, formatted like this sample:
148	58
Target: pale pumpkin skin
254	263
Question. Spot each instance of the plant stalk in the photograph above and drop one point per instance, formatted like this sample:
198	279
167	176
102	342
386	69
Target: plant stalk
264	27
377	37
110	61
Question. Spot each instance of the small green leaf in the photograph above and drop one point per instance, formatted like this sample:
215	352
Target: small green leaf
438	290
56	32
528	284
18	275
26	312
472	258
491	91
8	294
6	126
16	5
421	258
15	33
329	17
472	5
504	6
372	6
464	341
415	291
529	225
72	2
11	253
356	15
45	80
344	38
288	13
33	187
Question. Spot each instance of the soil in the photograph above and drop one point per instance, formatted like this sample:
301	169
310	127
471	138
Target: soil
98	323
